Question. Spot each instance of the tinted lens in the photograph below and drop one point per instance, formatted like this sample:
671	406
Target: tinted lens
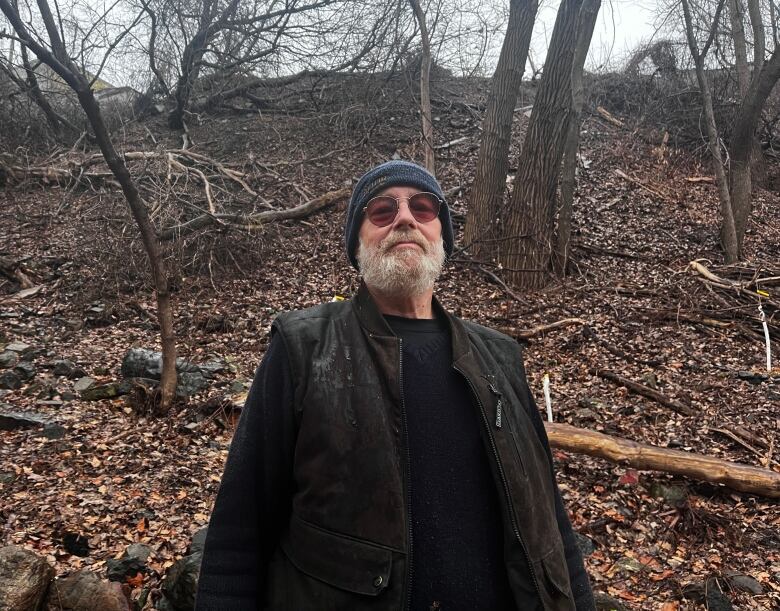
424	207
381	211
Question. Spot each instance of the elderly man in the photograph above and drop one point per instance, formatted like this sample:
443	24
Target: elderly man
390	455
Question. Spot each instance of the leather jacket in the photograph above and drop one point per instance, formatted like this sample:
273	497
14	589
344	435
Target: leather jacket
346	545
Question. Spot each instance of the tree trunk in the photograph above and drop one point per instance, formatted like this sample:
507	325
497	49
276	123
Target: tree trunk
59	61
425	89
742	142
588	15
728	234
738	476
531	214
487	192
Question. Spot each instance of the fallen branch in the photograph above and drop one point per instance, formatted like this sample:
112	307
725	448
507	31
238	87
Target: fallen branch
253	221
608	117
639	183
738	476
645	391
525	334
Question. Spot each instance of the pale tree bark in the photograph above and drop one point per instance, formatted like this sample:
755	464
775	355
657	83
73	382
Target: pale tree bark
425	88
487	192
588	16
58	60
728	233
528	230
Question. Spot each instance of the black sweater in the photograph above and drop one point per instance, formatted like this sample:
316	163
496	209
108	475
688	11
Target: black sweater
456	555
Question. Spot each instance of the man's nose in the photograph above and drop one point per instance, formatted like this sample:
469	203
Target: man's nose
404	218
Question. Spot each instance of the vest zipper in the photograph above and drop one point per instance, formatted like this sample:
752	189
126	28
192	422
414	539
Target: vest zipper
408	476
504	481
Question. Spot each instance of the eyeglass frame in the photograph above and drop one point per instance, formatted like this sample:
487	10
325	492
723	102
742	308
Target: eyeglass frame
397	201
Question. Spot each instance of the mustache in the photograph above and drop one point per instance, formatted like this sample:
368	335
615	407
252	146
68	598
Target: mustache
404	236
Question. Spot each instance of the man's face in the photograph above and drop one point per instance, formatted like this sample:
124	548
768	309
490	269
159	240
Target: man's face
404	257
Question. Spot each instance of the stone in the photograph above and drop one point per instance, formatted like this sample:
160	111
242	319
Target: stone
674	495
147	364
7	477
63	367
52	430
629	564
85	591
8	359
105	391
132	562
747	583
83	384
190	383
25	370
584	544
180	583
13	421
24	579
748	376
68	396
9	380
237	387
19	347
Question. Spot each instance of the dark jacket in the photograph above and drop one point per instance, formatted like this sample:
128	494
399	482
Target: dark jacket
346	542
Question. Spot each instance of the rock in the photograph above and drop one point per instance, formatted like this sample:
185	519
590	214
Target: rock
25	370
608	603
674	495
83	384
216	366
53	430
85	591
740	581
143	363
630	565
180	584
68	396
24	579
105	391
132	562
101	371
13	421
748	376
65	367
585	544
7	477
9	380
19	347
237	387
8	359
198	541
76	544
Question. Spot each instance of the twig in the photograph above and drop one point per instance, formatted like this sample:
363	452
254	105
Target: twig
645	391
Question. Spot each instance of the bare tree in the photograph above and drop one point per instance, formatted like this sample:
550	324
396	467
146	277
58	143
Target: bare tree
487	192
425	88
54	54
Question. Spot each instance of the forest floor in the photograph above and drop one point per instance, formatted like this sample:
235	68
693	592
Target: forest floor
642	214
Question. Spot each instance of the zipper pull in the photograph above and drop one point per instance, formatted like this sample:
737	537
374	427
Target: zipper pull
494	390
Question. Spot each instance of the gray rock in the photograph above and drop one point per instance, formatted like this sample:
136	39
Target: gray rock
68	396
585	544
213	367
629	565
52	430
9	380
180	584
83	384
132	562
105	391
744	582
8	358
24	579
12	421
237	386
147	364
7	477
85	591
674	495
25	370
63	367
19	347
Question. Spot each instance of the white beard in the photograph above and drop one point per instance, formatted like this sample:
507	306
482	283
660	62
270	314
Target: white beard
404	272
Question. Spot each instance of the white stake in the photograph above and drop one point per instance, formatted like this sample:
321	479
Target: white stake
766	339
547	399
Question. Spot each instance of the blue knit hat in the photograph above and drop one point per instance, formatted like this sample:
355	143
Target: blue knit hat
392	174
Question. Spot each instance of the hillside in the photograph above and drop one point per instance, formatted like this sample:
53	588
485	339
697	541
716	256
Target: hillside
643	212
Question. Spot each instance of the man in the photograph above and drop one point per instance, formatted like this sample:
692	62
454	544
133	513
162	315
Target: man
390	456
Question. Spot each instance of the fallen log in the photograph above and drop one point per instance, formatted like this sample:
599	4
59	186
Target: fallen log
737	476
645	391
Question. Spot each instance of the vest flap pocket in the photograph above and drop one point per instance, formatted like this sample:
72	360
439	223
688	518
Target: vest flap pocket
556	574
338	560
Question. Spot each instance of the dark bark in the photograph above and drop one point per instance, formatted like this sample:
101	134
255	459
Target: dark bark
59	61
487	192
588	15
425	89
530	218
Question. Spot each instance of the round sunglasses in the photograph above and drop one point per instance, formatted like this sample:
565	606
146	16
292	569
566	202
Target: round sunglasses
381	211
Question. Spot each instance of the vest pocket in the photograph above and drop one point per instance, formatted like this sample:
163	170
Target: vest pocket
553	573
338	560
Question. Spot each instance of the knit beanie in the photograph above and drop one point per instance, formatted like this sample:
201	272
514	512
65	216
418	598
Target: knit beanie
392	174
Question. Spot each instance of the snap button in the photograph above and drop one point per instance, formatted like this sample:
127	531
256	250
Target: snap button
378	581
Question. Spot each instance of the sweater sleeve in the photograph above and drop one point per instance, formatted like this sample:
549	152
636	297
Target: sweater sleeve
254	497
580	585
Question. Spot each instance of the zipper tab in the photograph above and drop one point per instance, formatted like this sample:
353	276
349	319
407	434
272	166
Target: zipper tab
499	404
